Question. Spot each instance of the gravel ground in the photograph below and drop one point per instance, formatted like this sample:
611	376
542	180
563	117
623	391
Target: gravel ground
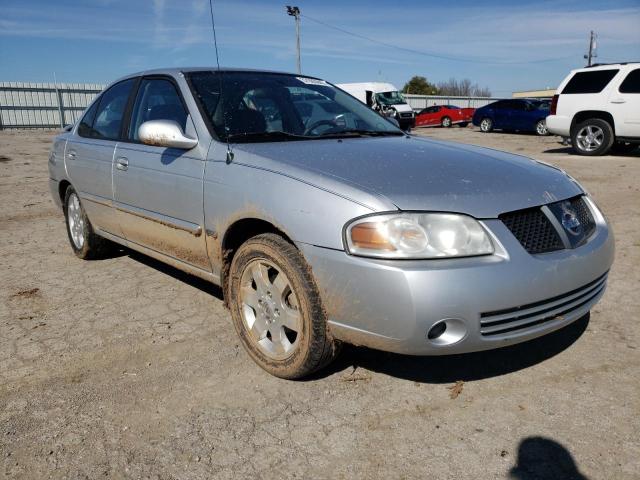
127	368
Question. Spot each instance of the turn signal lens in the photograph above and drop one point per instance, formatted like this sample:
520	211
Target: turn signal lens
370	235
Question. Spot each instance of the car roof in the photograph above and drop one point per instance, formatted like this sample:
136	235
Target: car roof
176	71
605	66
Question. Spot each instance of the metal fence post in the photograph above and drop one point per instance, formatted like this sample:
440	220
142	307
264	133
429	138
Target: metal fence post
60	106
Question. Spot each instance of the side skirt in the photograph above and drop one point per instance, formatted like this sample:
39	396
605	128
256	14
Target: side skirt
174	262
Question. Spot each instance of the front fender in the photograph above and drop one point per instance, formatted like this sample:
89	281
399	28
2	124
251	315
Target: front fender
305	213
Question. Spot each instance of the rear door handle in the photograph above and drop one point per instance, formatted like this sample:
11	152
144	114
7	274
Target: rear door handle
71	155
122	163
618	100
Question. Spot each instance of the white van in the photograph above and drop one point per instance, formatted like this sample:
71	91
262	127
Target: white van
385	99
599	108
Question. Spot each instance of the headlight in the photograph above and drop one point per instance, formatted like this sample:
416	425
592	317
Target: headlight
417	235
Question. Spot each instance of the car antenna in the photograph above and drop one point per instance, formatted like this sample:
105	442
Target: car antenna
224	115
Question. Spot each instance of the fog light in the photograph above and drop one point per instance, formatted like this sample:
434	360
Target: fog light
447	332
437	330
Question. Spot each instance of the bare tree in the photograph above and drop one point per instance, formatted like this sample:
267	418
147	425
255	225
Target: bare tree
462	88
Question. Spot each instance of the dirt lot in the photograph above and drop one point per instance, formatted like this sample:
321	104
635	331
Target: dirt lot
126	368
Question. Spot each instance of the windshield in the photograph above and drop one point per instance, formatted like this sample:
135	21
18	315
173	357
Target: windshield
390	98
268	107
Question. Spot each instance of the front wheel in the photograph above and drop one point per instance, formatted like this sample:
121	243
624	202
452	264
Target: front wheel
592	137
541	128
276	308
486	125
445	122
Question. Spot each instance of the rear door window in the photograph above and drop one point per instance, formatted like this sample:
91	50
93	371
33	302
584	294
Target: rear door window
113	102
631	84
589	82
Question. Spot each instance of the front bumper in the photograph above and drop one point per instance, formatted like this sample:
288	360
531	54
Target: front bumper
391	305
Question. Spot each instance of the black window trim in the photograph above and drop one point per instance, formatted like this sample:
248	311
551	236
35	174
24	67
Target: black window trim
124	134
625	78
124	113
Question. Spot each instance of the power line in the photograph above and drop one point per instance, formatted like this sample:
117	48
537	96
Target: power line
430	54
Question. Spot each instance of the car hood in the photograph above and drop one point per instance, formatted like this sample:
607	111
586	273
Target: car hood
417	174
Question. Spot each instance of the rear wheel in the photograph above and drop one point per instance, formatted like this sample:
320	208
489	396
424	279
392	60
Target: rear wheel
276	308
541	128
445	122
486	125
592	137
84	242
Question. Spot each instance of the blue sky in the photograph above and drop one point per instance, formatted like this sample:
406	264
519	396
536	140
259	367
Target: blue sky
504	45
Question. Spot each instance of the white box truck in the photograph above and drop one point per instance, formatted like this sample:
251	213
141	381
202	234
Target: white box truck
385	99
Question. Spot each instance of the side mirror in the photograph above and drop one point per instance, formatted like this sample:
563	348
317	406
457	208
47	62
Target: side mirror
165	133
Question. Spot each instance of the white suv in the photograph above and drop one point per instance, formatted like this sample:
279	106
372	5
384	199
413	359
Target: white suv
599	108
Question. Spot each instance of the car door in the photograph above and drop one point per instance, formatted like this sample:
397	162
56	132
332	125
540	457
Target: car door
624	104
501	114
89	155
158	190
429	117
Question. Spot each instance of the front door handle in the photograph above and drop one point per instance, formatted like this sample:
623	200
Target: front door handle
122	163
618	100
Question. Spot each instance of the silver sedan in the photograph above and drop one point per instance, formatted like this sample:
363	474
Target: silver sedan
323	222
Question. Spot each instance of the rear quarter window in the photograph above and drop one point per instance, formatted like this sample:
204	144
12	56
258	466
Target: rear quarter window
631	84
589	82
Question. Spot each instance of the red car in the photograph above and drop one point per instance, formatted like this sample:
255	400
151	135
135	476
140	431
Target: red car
444	115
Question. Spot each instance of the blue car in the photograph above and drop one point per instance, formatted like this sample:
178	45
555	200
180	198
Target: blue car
516	115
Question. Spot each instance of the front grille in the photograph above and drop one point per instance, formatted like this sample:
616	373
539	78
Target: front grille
523	317
552	227
533	230
406	115
584	215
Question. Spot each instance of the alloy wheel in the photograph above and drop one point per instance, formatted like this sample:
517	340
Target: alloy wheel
590	138
541	127
270	309
75	221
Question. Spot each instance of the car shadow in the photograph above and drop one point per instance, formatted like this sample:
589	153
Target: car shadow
426	369
542	458
466	367
567	150
192	280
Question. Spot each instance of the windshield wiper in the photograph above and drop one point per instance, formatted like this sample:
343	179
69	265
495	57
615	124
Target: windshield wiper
354	132
268	136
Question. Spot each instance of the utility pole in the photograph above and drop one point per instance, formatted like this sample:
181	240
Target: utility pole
295	12
592	48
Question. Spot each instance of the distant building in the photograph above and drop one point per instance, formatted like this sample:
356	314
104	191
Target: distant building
547	93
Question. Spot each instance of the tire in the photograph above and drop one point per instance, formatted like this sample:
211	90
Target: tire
463	124
276	308
541	128
445	122
486	125
623	148
592	137
84	242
